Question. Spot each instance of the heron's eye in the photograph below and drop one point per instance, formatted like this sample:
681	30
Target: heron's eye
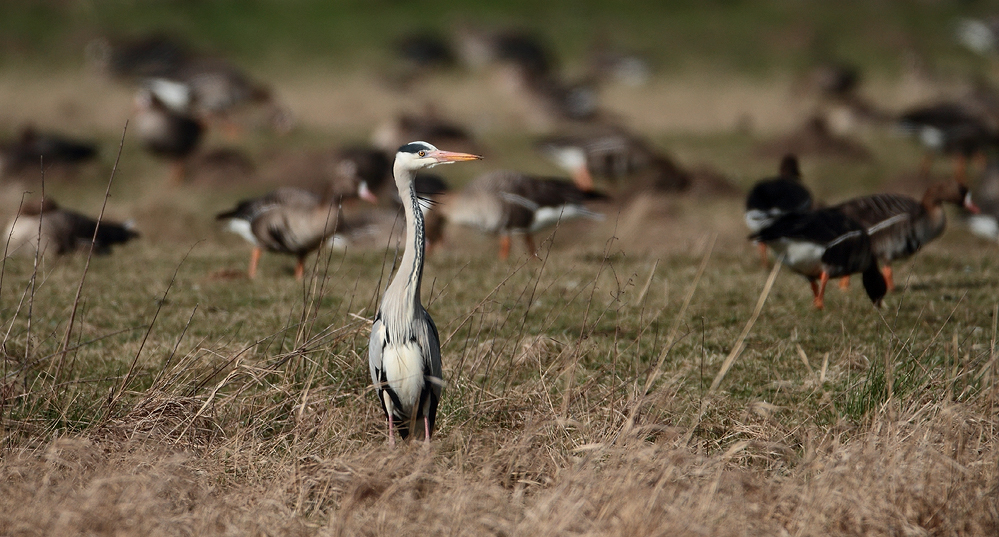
423	154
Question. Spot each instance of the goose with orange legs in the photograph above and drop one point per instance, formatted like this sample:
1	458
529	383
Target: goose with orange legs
773	198
288	220
508	203
165	132
899	226
821	245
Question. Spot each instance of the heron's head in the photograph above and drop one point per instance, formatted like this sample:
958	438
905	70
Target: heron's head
415	156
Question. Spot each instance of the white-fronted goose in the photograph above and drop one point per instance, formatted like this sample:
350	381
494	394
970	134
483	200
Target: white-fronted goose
509	203
45	226
288	220
772	198
33	148
612	153
824	244
165	132
899	225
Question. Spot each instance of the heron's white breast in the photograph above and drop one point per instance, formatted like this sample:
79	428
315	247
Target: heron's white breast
403	364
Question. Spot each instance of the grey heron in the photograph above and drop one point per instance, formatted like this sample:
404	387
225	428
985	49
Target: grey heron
404	352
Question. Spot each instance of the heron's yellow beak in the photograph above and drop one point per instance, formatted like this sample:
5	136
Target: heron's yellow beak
445	157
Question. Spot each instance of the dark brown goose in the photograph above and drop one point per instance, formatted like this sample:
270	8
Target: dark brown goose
775	197
952	129
360	169
165	132
824	244
509	203
899	225
288	221
45	226
32	148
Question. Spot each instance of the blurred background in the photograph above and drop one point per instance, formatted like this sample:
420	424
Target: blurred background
721	88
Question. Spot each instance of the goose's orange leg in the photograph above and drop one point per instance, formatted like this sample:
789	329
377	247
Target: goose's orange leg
821	291
763	255
504	251
177	172
254	259
300	268
529	243
844	282
889	282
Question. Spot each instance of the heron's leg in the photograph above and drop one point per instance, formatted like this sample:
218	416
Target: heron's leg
504	251
889	281
532	250
254	259
844	282
391	433
426	427
300	268
821	291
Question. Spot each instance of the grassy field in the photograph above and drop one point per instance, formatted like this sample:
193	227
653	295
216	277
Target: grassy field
644	377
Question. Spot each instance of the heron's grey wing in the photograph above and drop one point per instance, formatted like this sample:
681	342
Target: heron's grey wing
430	340
375	346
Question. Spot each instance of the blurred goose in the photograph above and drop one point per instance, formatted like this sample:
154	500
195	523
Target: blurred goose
33	148
165	132
899	225
950	129
428	126
775	197
824	244
479	47
615	154
509	203
364	170
214	90
154	55
46	226
288	220
986	223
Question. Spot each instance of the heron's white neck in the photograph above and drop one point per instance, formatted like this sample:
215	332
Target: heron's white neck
404	291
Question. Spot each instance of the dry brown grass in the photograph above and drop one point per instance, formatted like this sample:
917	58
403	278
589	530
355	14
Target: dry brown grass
921	471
